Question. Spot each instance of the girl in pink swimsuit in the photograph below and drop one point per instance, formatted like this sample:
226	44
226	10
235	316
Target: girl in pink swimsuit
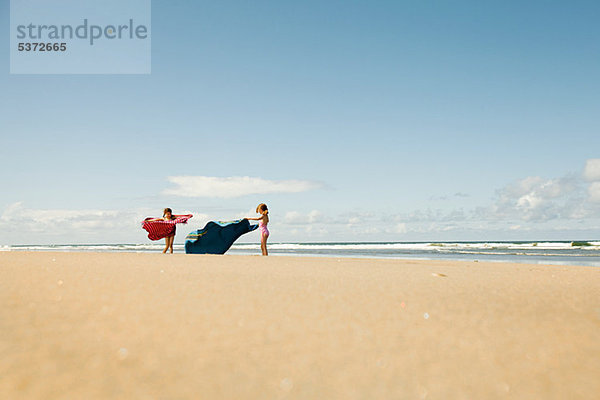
262	226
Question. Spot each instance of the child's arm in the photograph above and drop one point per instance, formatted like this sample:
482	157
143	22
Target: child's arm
255	219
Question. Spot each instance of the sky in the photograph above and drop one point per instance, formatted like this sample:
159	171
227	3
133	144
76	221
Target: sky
352	120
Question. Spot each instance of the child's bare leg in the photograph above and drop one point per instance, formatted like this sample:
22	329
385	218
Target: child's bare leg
169	244
263	245
172	239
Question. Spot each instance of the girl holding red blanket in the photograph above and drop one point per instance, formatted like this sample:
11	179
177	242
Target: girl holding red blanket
164	227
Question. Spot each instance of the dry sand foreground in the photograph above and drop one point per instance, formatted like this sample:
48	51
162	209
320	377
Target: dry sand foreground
150	326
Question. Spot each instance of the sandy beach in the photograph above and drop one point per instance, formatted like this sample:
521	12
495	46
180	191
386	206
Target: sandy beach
153	326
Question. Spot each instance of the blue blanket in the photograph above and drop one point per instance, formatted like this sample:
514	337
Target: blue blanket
216	237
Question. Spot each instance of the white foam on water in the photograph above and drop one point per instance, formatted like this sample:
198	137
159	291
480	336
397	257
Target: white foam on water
95	247
429	246
336	246
584	253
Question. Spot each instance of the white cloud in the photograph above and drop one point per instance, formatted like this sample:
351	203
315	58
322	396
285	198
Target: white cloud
401	228
315	231
235	186
533	204
294	218
314	216
564	203
537	199
353	221
297	218
594	192
429	215
591	171
307	225
41	220
30	225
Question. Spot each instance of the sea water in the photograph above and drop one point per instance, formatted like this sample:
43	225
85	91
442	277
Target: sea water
543	252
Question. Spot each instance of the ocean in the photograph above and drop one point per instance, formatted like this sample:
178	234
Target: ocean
585	253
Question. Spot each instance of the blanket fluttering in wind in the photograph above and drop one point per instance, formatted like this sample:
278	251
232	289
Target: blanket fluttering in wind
160	228
217	236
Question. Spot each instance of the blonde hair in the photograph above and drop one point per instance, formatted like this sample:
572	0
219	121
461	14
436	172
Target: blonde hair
262	209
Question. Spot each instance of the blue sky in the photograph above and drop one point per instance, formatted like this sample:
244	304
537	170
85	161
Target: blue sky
353	120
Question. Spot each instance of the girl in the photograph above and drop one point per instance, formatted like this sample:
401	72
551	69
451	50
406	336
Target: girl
164	227
262	226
